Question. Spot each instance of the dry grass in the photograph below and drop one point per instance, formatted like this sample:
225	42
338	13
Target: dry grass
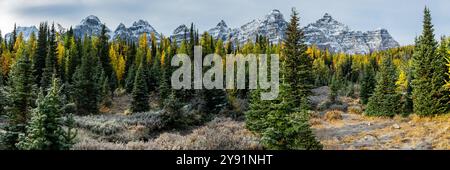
333	115
219	134
355	110
356	131
368	133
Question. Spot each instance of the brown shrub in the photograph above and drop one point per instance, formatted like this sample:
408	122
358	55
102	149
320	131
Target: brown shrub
333	115
355	110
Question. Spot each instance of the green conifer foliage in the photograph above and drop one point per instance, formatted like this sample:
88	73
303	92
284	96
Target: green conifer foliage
140	94
45	130
20	94
385	100
429	94
86	86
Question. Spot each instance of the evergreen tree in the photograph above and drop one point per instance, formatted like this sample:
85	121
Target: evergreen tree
106	94
334	89
129	81
20	98
103	52
368	84
140	92
72	60
297	64
429	94
172	115
45	130
286	128
164	89
13	38
86	86
41	53
281	123
407	100
384	101
50	60
256	115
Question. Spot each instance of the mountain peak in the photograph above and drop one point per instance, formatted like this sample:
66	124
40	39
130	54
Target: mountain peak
222	24
141	22
91	19
327	18
181	29
275	11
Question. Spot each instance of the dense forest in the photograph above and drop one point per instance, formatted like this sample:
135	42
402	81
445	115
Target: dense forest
48	79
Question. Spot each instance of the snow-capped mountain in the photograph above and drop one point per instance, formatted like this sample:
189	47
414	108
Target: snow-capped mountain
272	26
221	31
327	33
26	31
90	26
122	32
180	33
134	31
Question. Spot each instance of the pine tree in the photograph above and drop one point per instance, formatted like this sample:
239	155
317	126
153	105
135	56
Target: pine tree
13	38
129	81
288	129
86	86
407	101
20	98
172	115
106	95
368	84
281	123
256	115
140	92
50	60
72	60
429	94
45	130
334	89
103	52
384	101
41	53
298	65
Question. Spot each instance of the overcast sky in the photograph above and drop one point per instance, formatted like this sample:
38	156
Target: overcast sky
402	18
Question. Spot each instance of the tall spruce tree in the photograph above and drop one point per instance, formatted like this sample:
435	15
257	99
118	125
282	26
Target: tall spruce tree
298	65
50	60
368	84
86	86
140	92
41	53
102	53
384	101
12	40
45	130
282	124
20	95
429	95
